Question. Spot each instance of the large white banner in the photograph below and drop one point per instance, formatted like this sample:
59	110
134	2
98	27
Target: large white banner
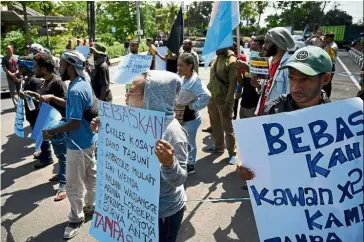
309	172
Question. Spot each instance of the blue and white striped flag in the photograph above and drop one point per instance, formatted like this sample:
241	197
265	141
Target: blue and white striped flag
225	17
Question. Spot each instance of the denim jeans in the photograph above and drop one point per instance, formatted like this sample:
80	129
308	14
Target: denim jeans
46	152
60	150
169	227
191	127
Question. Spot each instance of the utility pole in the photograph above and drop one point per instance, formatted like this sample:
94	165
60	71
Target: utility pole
88	21
92	21
137	4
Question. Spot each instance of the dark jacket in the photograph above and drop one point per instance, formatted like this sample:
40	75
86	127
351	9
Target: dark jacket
285	103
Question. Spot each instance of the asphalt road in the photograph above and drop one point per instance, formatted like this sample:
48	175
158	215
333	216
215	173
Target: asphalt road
29	213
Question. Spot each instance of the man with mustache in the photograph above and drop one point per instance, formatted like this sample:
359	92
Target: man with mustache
278	41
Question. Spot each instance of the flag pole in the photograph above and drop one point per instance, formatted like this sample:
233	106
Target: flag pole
238	36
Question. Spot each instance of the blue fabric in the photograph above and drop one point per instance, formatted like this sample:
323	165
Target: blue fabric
29	65
191	127
79	99
60	150
220	30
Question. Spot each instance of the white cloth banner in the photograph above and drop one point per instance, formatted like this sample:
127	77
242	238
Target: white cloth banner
309	172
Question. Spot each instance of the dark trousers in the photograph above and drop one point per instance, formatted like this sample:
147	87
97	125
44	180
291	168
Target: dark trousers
168	227
327	88
236	105
46	152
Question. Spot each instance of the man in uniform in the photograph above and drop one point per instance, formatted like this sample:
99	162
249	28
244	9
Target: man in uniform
223	82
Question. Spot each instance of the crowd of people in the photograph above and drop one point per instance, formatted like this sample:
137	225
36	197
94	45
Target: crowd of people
295	81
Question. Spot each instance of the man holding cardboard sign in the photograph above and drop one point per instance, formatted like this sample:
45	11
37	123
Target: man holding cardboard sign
309	70
308	162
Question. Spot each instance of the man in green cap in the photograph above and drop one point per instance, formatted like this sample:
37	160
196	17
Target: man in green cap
309	70
100	79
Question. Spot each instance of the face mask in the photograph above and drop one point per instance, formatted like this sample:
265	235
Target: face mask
254	54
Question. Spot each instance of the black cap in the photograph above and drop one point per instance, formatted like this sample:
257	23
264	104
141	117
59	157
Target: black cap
330	34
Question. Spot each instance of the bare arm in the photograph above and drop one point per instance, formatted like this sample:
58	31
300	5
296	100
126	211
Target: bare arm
70	125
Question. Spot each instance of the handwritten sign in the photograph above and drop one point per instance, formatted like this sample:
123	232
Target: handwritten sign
47	117
309	172
159	63
84	50
128	174
19	119
132	66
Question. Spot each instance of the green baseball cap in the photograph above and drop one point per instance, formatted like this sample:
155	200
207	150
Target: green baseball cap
310	60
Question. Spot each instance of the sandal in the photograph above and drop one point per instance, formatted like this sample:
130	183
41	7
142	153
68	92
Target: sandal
61	194
54	178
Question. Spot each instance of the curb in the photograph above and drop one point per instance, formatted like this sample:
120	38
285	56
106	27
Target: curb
357	56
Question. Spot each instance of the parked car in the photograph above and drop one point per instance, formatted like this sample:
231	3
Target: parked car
4	81
197	46
299	42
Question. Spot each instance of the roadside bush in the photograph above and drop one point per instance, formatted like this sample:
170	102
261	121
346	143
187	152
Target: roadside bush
17	38
106	38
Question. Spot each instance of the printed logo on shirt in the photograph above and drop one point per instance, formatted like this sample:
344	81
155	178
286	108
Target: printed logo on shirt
302	55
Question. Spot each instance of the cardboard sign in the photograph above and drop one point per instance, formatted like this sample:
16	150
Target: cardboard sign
128	174
309	172
131	67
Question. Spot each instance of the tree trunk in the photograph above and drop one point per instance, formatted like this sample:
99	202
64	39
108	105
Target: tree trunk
259	18
292	16
26	24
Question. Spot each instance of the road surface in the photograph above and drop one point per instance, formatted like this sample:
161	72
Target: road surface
30	214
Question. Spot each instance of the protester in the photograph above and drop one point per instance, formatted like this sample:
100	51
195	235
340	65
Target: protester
361	92
241	72
69	45
187	48
223	82
277	43
249	96
332	49
84	42
78	42
126	47
309	70
134	46
8	63
193	97
52	87
81	169
56	61
32	84
157	91
100	79
171	60
151	51
36	48
315	40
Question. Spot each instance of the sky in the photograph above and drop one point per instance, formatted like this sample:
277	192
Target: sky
353	8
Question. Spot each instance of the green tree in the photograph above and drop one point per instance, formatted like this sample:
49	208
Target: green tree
198	17
248	12
337	17
261	6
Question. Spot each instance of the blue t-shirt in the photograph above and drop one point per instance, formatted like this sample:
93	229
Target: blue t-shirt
79	99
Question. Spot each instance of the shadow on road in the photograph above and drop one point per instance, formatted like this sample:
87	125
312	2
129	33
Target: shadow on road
241	224
9	110
55	232
21	203
13	151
